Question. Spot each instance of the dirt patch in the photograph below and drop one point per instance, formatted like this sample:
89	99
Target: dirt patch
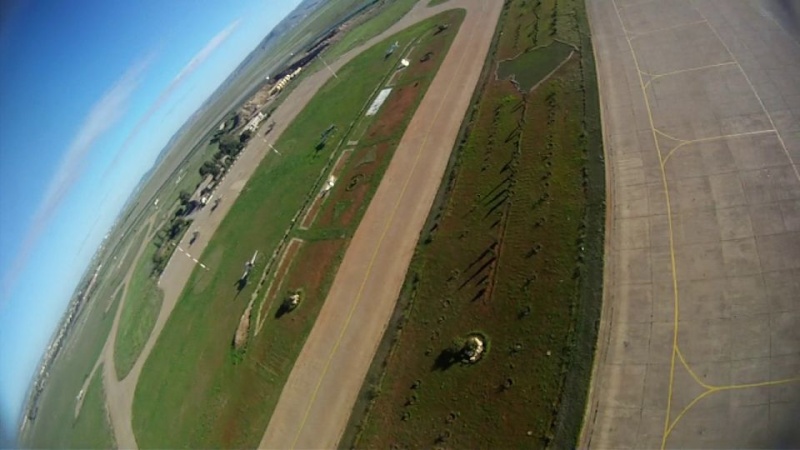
310	271
394	112
240	338
354	185
315	207
277	281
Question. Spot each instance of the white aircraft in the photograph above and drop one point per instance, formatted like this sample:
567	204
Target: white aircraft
248	266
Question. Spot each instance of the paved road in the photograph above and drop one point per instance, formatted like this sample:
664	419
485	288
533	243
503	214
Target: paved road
319	395
700	337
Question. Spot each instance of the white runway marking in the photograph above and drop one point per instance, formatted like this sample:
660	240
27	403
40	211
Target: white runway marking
192	258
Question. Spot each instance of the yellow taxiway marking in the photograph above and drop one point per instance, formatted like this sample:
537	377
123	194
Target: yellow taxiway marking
714	389
638	4
689	369
657	131
636	34
669	224
654	77
374	257
676	353
714	138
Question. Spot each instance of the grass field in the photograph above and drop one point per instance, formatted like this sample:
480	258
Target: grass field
54	425
82	349
139	314
512	250
144	297
218	397
436	2
91	429
382	17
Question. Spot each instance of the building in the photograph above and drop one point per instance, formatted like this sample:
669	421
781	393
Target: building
253	124
284	81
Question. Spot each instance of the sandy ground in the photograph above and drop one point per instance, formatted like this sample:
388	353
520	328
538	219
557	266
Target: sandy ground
699	343
319	395
119	393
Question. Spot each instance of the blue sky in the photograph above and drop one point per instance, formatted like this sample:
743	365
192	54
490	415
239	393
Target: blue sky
90	92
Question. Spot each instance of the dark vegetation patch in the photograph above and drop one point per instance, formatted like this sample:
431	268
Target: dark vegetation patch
513	247
531	67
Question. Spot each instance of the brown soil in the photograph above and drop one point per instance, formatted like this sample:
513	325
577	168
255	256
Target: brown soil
240	338
312	267
365	172
394	112
312	212
283	267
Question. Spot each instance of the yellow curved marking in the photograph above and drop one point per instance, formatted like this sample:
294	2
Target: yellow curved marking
374	256
692	372
668	427
656	130
715	138
716	389
635	34
669	224
676	72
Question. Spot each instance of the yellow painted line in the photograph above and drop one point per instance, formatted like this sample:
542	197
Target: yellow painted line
713	390
716	138
759	384
374	256
692	372
635	34
657	131
670	229
691	69
639	4
668	427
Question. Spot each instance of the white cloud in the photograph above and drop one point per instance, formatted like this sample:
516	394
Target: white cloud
104	114
197	60
205	52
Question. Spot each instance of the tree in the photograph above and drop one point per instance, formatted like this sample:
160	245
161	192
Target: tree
176	227
245	136
209	167
230	145
184	197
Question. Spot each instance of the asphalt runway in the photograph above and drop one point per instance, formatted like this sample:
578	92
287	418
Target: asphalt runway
700	335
